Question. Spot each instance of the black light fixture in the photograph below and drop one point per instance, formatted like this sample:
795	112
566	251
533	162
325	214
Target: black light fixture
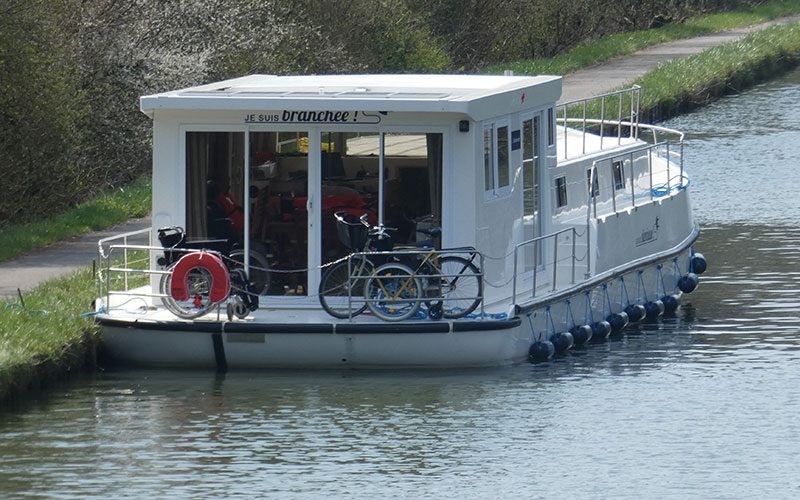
463	126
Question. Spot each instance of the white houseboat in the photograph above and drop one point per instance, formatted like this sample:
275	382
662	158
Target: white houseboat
441	220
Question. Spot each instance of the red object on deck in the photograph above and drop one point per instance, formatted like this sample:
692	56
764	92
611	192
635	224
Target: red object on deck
220	278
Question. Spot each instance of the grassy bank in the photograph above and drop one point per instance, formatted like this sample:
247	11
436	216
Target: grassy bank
107	210
596	51
681	85
46	338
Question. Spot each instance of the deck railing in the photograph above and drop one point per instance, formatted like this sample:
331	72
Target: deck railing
416	260
552	266
122	262
604	115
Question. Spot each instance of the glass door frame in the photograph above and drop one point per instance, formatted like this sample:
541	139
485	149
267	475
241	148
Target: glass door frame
539	171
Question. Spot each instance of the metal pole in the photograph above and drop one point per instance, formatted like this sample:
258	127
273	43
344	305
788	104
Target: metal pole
602	119
619	118
633	188
381	179
574	237
514	279
584	127
125	260
555	260
535	264
650	169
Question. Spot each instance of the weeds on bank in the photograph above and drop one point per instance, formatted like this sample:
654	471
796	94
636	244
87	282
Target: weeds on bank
47	330
689	82
112	208
596	51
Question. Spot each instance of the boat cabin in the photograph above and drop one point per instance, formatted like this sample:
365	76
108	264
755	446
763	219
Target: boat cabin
269	160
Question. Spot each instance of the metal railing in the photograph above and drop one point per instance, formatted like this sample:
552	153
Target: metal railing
117	257
597	126
538	244
417	260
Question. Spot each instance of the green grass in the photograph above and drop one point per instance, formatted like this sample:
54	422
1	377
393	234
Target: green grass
112	208
686	83
596	51
48	337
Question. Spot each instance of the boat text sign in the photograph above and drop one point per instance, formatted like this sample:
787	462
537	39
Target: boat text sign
288	116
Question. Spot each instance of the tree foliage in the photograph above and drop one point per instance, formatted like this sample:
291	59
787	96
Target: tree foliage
71	71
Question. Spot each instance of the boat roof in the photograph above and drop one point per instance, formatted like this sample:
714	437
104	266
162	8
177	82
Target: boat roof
478	96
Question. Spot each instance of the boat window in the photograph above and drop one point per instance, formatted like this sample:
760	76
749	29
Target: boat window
409	197
496	160
561	192
278	207
488	155
503	176
618	170
593	184
551	127
215	185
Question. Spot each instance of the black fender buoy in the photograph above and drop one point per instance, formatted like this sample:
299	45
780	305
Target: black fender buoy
671	303
562	341
698	263
635	312
541	351
581	334
600	331
653	309
618	321
688	283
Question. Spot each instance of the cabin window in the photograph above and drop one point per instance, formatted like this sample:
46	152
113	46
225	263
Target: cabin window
551	127
488	155
592	183
496	159
618	170
406	195
561	192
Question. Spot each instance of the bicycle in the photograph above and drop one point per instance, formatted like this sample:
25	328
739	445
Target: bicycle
199	279
395	287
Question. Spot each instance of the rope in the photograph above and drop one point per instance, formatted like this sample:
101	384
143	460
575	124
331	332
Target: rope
625	290
643	288
530	322
661	276
588	316
571	316
550	317
608	300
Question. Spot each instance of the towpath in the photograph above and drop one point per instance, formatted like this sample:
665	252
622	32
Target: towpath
67	256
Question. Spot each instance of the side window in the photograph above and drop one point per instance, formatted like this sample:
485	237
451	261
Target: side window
618	170
551	127
496	159
561	192
593	184
488	156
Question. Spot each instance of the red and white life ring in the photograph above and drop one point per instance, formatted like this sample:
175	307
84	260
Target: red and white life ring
220	278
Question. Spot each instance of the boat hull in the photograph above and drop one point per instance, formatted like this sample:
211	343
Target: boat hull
224	345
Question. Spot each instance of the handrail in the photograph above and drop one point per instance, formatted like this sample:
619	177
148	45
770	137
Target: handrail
591	202
634	96
427	253
535	242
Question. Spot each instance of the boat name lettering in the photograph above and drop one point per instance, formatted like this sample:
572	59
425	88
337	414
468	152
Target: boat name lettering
287	116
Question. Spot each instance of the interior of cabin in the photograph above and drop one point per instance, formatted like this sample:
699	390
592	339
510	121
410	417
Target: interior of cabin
410	196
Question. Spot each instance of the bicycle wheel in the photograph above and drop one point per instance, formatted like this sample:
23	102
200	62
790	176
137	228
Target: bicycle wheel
462	287
333	289
393	292
260	275
199	301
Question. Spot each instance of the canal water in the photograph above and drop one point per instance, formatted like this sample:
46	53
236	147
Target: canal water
704	405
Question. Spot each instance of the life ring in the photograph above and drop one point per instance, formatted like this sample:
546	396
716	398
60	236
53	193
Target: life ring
220	287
